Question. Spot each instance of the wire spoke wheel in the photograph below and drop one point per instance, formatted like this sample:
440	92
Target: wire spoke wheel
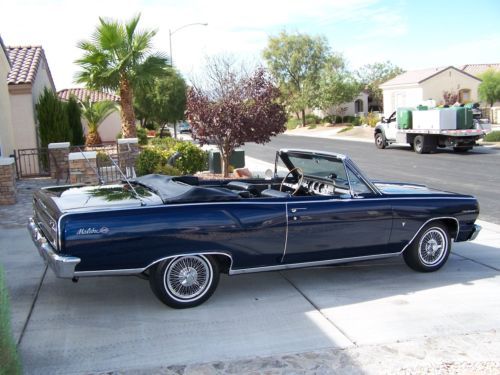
188	277
432	246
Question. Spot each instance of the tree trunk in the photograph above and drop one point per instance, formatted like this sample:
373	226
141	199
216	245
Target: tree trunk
175	130
303	118
224	158
93	139
127	114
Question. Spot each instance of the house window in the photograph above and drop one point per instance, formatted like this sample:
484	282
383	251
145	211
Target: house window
358	106
464	96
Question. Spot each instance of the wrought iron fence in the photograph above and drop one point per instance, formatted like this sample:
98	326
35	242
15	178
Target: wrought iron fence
106	159
32	162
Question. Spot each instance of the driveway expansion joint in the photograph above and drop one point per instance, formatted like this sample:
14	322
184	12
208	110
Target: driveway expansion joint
317	308
476	261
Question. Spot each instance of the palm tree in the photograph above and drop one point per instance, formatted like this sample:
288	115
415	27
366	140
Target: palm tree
95	114
117	58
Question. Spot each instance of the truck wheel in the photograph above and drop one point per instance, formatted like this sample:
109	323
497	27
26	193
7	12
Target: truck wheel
418	144
185	281
430	249
380	141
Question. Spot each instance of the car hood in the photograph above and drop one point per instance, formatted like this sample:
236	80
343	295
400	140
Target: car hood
401	188
75	198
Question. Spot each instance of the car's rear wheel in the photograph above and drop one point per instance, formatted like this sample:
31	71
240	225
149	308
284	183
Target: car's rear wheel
185	281
430	249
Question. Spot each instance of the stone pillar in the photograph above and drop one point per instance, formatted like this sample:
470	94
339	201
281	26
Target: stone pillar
7	181
128	151
58	160
83	168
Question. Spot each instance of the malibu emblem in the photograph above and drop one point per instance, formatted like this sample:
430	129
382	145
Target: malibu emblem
84	231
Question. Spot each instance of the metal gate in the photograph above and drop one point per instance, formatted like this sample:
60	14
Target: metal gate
32	162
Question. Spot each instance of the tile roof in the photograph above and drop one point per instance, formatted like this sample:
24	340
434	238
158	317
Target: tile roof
82	95
421	75
477	69
24	61
413	76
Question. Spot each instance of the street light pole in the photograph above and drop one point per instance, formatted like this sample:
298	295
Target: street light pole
170	33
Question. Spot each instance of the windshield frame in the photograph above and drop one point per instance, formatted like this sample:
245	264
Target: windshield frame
347	163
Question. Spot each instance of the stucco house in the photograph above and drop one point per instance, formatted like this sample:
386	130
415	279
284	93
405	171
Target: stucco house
359	106
29	75
414	87
111	126
6	136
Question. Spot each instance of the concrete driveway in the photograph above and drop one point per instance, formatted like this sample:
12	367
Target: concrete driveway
116	323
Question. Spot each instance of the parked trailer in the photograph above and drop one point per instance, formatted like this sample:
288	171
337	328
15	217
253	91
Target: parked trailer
425	141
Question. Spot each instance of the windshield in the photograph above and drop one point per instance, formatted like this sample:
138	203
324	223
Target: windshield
319	166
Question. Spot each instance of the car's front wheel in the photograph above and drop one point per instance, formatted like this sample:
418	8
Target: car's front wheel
430	249
380	141
185	281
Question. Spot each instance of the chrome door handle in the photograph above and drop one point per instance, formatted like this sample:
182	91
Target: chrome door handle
294	210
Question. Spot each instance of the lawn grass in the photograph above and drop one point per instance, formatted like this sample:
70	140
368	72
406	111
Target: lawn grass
494	136
9	359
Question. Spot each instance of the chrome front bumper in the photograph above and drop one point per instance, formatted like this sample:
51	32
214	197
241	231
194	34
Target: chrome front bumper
474	234
63	266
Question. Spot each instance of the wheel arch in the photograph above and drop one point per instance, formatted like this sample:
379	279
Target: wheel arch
451	223
224	260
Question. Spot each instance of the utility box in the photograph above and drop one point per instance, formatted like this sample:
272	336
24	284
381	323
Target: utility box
434	119
237	160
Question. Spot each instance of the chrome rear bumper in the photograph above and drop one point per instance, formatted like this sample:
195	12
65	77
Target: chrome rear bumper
475	232
63	266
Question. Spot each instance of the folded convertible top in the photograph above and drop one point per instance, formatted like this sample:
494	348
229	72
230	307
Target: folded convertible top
173	190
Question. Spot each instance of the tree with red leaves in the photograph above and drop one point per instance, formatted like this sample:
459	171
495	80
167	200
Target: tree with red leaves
235	110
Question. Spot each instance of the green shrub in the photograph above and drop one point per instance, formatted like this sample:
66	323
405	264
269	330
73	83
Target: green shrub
193	159
494	136
349	119
149	160
312	119
75	122
165	143
9	359
371	119
103	160
167	170
142	135
312	126
356	121
293	123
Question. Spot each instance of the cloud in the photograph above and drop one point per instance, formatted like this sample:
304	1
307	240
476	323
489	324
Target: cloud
240	28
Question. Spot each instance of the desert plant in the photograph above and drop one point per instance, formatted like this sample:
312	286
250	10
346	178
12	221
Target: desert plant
450	97
95	113
9	359
117	58
370	119
142	135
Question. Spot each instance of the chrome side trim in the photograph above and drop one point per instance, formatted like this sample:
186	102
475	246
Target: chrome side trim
311	264
135	271
427	222
63	266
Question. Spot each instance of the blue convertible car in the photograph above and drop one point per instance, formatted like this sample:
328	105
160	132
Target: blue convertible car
181	232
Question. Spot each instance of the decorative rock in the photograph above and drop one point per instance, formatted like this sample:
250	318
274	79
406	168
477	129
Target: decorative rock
83	168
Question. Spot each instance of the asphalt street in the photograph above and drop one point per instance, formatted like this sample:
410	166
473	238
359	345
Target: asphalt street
476	173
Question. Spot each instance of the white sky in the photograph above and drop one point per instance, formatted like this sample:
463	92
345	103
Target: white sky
365	31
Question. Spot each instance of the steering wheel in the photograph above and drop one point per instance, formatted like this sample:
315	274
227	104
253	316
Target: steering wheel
299	182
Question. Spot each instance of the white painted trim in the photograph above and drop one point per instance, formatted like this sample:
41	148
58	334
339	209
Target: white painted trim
122	141
6	161
58	145
82	155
